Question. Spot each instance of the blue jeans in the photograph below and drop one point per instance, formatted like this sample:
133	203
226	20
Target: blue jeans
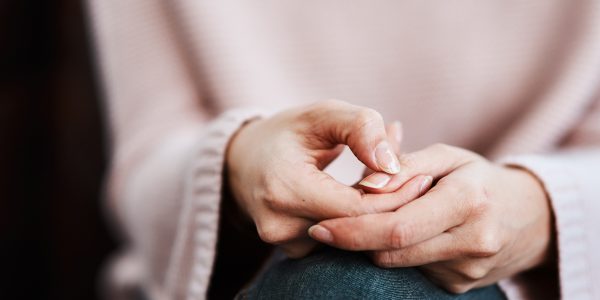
336	274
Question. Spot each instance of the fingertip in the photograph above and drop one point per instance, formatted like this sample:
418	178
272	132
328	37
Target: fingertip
386	160
376	180
320	233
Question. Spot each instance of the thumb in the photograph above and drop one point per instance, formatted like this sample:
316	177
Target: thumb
362	129
394	136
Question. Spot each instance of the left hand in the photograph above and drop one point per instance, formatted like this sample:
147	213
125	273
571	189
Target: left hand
480	223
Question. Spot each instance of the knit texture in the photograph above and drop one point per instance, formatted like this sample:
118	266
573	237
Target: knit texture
518	82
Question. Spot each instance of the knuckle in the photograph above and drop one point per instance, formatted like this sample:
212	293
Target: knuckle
461	190
271	199
457	287
474	272
353	242
487	244
366	116
309	115
355	211
409	161
315	111
472	195
399	236
273	194
383	259
274	233
478	198
455	186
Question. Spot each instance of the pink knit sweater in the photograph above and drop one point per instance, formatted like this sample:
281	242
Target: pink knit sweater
517	81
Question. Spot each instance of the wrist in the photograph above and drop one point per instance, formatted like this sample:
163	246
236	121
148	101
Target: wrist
534	191
236	143
233	166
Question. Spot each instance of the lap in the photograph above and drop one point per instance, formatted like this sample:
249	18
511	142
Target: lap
335	274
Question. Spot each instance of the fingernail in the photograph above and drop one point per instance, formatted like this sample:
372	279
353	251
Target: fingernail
425	184
320	233
386	159
376	180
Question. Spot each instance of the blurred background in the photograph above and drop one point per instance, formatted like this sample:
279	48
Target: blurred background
52	153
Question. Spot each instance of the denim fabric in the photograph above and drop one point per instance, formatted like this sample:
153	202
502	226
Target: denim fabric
335	274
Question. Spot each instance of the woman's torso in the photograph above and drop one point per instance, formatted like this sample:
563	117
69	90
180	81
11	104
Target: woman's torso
456	72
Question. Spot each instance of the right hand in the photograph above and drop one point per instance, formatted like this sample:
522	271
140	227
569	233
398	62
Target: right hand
275	170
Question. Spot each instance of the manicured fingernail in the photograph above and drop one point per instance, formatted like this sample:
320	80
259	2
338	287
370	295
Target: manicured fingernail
425	184
398	135
386	159
376	180
320	233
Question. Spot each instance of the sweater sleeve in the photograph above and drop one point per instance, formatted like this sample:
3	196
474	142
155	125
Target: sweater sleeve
571	179
167	152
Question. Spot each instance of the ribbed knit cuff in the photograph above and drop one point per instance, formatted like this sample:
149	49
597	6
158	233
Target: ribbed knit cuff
194	252
562	187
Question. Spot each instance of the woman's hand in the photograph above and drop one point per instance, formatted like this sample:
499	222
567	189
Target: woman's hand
275	170
479	223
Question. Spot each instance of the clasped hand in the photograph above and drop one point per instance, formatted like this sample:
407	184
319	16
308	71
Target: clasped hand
465	221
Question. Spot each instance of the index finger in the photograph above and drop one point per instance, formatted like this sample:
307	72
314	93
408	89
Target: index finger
325	198
437	160
417	221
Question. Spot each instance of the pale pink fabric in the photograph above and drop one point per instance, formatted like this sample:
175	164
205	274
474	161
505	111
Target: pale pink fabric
517	81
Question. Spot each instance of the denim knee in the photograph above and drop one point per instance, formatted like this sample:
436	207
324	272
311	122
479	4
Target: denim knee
335	274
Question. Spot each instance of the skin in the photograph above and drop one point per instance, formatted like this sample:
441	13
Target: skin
479	223
275	170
